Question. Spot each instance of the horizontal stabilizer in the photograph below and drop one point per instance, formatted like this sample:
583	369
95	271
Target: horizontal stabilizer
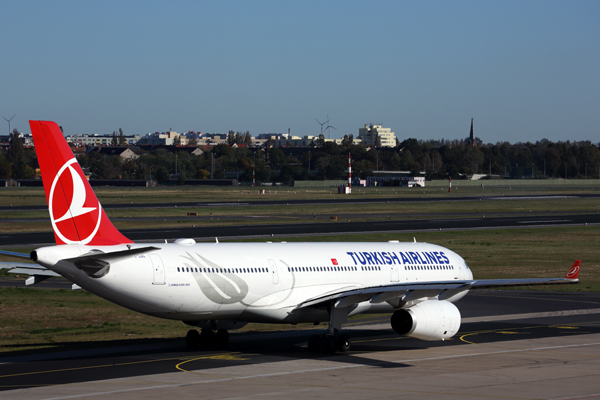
33	271
113	256
36	273
33	279
96	264
27	269
13	254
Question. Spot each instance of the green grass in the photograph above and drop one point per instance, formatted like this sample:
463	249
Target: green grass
33	320
158	218
166	194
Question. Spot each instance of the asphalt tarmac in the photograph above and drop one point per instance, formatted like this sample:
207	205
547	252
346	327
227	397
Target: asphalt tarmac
512	344
334	200
338	227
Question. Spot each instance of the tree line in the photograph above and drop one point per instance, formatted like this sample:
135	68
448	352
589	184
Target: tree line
438	159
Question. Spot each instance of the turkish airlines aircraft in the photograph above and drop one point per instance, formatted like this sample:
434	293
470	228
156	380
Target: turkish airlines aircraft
223	286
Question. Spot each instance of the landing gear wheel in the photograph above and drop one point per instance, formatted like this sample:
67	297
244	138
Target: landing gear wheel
192	339
222	338
343	343
207	339
314	343
330	344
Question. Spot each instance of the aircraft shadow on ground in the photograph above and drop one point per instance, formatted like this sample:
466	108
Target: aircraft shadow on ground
293	343
71	362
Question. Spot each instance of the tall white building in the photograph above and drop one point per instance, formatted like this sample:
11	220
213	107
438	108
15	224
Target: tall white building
368	135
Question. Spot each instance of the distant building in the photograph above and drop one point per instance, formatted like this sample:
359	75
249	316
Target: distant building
212	139
99	140
124	152
395	178
369	134
160	138
472	140
295	141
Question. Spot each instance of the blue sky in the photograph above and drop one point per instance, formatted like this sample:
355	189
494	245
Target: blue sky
524	70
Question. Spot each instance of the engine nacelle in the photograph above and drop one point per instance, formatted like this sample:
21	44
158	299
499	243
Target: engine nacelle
428	320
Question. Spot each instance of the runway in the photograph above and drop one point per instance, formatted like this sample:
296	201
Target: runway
335	199
339	227
512	344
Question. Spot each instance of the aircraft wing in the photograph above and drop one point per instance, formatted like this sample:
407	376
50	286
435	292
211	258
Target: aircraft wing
399	294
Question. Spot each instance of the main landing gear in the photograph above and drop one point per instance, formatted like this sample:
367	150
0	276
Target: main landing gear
207	339
326	343
333	340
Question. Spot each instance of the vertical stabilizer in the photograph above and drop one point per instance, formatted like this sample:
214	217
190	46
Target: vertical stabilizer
75	212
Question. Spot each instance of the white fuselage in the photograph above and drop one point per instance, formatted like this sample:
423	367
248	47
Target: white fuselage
255	282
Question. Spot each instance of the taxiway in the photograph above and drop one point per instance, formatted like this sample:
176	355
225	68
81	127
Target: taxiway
512	344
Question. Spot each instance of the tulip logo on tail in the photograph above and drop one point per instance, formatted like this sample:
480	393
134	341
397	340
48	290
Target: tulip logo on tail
73	221
573	272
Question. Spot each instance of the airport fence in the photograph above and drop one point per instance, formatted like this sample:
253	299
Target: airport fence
514	182
320	184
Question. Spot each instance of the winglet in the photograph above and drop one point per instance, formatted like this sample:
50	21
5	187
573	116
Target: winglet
574	271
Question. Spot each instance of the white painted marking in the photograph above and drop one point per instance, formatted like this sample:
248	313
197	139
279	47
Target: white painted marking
544	222
511	317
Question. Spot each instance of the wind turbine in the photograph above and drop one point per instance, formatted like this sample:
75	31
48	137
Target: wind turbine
8	120
322	123
329	127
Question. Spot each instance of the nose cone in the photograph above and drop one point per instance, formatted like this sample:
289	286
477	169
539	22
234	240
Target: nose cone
467	273
464	272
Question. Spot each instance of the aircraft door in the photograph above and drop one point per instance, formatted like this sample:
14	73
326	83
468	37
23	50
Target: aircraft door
274	273
158	269
395	273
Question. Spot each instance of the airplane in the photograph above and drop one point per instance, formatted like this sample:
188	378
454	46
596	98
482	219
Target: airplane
219	287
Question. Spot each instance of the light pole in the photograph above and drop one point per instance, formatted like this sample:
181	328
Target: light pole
544	167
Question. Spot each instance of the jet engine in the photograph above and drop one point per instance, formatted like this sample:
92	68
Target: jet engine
428	320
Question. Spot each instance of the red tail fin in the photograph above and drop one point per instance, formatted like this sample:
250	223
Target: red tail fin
574	271
75	212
